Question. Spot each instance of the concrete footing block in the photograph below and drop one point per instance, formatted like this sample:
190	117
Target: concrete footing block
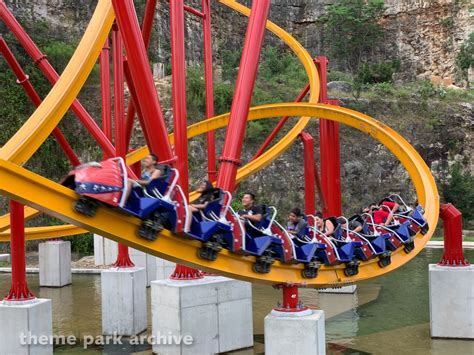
216	312
124	306
105	250
5	257
304	335
55	263
451	301
26	327
344	289
156	268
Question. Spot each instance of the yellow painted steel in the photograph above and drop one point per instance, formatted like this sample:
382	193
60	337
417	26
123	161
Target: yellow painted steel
5	219
49	232
19	148
56	200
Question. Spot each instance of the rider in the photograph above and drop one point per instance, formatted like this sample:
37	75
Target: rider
296	222
325	226
383	215
250	212
206	194
149	173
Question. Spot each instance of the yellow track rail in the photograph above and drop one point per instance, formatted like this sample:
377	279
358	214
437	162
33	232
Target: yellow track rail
56	200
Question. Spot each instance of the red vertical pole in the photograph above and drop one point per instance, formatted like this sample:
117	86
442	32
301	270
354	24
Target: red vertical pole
105	90
230	158
142	78
42	63
329	151
208	77
309	173
452	222
178	69
123	259
19	290
24	81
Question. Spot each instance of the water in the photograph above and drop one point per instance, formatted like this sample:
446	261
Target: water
387	315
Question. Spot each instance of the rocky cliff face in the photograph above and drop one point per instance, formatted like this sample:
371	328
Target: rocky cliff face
425	35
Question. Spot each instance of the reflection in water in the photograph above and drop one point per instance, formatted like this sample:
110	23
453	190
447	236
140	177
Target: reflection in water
387	313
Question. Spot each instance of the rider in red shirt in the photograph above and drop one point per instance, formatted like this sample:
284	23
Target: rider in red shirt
383	214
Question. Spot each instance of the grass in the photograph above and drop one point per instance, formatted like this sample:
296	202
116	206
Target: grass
440	238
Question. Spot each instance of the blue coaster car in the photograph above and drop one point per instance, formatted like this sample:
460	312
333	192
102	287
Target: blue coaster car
305	252
415	216
210	227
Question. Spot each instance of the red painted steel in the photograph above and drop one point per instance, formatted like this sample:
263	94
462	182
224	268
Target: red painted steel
42	63
132	109
24	81
209	80
330	157
452	222
105	90
279	126
195	12
19	290
142	77
230	158
186	273
123	258
178	69
291	302
309	173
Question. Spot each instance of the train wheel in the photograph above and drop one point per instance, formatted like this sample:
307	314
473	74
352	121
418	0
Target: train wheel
424	229
385	260
352	268
86	206
309	272
409	246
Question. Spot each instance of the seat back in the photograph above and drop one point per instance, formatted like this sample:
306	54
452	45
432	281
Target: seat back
214	206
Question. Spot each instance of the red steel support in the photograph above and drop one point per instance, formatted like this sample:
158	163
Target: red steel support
24	81
42	63
279	126
208	77
105	90
178	69
142	78
309	173
194	11
452	222
19	290
329	151
182	272
123	259
230	158
291	302
132	109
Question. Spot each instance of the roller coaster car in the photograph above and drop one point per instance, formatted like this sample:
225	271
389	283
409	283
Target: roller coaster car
336	251
107	183
210	226
415	215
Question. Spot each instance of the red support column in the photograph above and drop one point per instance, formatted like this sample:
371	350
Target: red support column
178	69
291	302
142	78
123	259
452	222
309	173
279	126
42	63
19	290
24	81
105	90
230	158
208	77
329	151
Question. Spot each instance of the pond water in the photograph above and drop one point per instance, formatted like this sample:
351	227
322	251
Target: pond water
387	315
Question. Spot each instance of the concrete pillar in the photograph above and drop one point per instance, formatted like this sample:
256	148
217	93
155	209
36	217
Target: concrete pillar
105	250
26	327
5	257
344	289
55	263
290	334
451	301
124	301
216	312
156	268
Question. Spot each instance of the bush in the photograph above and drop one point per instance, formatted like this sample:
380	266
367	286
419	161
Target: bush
459	190
377	73
82	244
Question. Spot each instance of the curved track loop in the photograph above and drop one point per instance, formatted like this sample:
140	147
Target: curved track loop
56	200
28	139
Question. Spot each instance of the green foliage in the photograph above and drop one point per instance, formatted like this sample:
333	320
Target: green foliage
334	75
354	30
465	57
82	244
460	192
377	73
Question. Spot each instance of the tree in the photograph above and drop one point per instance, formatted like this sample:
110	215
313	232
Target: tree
465	57
459	190
353	30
